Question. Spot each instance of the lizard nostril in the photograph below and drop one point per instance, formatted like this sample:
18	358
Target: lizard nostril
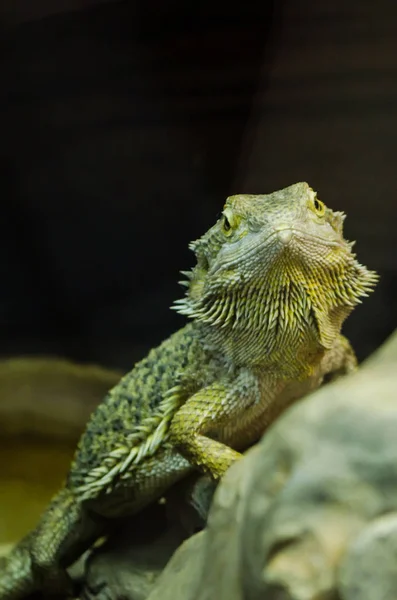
285	235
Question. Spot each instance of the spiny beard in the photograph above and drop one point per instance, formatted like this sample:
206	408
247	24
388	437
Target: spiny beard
291	298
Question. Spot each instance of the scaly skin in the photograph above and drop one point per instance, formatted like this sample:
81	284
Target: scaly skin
273	283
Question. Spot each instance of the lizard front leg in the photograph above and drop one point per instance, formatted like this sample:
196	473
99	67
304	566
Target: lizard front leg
339	360
208	411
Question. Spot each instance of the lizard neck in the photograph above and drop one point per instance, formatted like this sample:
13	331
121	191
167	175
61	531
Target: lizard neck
283	322
285	358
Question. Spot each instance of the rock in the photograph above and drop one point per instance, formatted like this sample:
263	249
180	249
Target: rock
301	517
284	516
327	468
50	398
368	570
44	405
183	575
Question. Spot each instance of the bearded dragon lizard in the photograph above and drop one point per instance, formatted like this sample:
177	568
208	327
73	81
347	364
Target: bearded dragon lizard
274	281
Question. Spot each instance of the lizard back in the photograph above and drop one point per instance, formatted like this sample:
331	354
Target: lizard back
133	419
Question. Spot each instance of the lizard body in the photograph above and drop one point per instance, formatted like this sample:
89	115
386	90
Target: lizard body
273	283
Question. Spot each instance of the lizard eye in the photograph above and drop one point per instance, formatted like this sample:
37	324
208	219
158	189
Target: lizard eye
226	224
319	207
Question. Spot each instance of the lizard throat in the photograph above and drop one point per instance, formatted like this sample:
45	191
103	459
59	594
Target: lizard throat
273	318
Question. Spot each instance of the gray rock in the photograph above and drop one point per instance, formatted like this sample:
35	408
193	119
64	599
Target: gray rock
283	517
182	577
301	517
368	570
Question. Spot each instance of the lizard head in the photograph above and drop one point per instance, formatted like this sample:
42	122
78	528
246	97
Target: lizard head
277	264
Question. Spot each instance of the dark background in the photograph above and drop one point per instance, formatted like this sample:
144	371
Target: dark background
124	125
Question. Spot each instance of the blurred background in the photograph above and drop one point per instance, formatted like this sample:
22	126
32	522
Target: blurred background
123	127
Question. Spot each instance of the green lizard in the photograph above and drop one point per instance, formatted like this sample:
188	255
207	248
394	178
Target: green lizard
273	283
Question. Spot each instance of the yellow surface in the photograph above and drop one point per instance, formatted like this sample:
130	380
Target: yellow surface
31	471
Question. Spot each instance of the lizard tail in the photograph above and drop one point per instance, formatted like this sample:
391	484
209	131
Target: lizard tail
39	561
16	574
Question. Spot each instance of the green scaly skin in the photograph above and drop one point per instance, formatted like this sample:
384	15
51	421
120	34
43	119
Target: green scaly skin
273	283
